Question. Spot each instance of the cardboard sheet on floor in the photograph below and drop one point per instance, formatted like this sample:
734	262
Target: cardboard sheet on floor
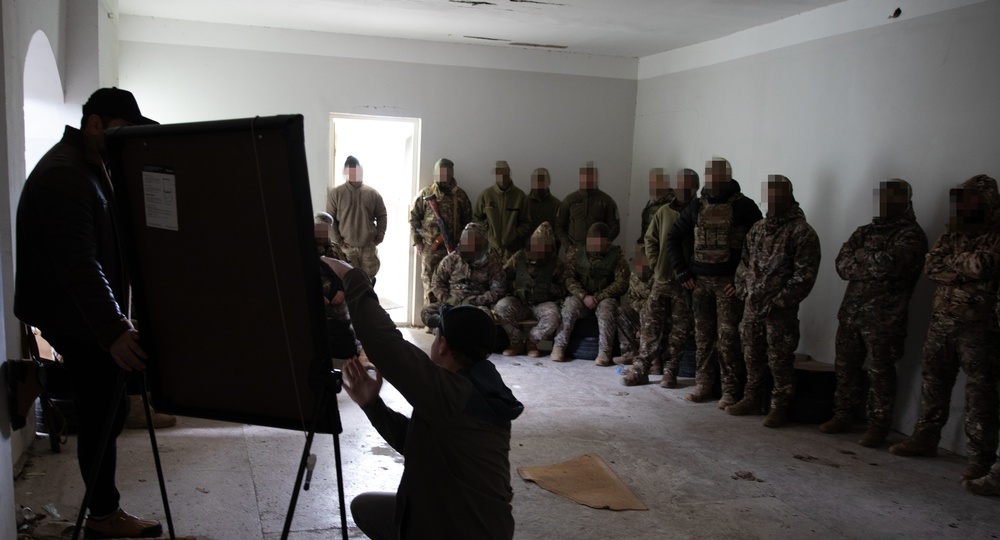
586	480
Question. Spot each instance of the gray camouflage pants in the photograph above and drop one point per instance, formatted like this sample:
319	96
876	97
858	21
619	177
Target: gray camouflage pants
573	309
511	310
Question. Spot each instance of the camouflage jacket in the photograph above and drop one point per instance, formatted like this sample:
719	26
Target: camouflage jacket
455	208
638	292
779	262
332	250
529	279
881	262
619	281
966	269
479	283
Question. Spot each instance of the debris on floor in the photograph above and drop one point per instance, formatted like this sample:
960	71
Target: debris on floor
745	475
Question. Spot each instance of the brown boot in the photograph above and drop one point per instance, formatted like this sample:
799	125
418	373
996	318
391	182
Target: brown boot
700	393
122	525
777	417
873	437
137	416
635	377
515	349
985	485
532	349
974	471
669	380
747	405
912	447
603	359
624	360
837	424
727	400
657	367
557	354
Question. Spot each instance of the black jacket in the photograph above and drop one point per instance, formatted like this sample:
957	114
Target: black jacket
745	214
69	280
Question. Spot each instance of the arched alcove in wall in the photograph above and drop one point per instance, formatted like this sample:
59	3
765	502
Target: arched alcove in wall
45	112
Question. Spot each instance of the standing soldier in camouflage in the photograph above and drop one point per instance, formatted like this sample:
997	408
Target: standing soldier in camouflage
359	218
584	207
660	193
990	483
455	211
503	206
542	204
778	269
596	276
627	317
668	308
965	264
469	276
881	263
719	221
536	280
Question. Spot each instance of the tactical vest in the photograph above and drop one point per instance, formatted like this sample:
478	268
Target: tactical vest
534	290
596	276
714	234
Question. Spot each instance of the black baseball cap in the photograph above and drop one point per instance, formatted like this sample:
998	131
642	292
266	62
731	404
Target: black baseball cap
115	103
468	329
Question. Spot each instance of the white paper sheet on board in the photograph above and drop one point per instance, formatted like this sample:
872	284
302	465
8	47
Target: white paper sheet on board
160	196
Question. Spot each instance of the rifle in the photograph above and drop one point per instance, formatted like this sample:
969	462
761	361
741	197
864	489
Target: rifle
432	201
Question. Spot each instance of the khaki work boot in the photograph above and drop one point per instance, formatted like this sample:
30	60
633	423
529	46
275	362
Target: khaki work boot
657	367
777	417
532	349
747	405
911	447
727	400
603	359
873	437
700	393
624	360
837	424
635	377
121	525
137	416
974	471
515	349
985	485
557	354
669	380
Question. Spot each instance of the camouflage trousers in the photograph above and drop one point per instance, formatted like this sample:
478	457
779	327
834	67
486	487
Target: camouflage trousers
666	311
627	321
881	348
429	263
951	345
769	341
365	258
716	327
510	310
573	309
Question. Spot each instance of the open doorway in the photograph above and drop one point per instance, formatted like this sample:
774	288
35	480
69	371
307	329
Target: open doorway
388	149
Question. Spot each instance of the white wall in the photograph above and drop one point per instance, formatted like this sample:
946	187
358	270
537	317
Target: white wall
472	115
914	99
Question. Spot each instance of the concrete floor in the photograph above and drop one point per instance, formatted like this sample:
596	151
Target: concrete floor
229	481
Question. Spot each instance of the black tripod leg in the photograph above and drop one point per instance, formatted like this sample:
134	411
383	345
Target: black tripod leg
340	481
156	456
302	467
96	467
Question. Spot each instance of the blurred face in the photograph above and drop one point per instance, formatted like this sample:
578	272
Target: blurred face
597	244
442	175
471	242
588	178
353	175
779	197
687	187
540	248
322	233
640	263
892	200
659	185
717	177
502	176
539	181
967	209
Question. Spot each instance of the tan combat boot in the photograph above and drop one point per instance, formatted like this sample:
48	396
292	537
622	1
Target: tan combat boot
626	359
657	367
777	417
837	424
985	485
515	349
727	400
557	354
669	380
603	359
532	349
137	416
974	471
873	437
635	377
747	405
912	446
700	393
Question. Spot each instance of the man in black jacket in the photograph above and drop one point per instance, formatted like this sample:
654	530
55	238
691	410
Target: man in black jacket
70	284
719	221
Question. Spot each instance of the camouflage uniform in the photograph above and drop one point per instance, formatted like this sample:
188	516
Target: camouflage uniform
881	262
458	282
604	276
963	332
338	318
506	215
456	211
581	209
778	269
535	288
359	221
719	226
627	317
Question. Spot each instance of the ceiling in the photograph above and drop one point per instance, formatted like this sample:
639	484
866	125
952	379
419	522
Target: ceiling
624	28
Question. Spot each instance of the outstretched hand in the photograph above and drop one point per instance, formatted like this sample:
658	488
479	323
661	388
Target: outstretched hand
358	384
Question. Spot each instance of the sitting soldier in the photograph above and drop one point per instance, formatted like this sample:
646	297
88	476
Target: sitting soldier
470	276
536	283
627	316
597	275
338	322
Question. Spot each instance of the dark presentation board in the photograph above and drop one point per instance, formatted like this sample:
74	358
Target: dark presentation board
216	221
